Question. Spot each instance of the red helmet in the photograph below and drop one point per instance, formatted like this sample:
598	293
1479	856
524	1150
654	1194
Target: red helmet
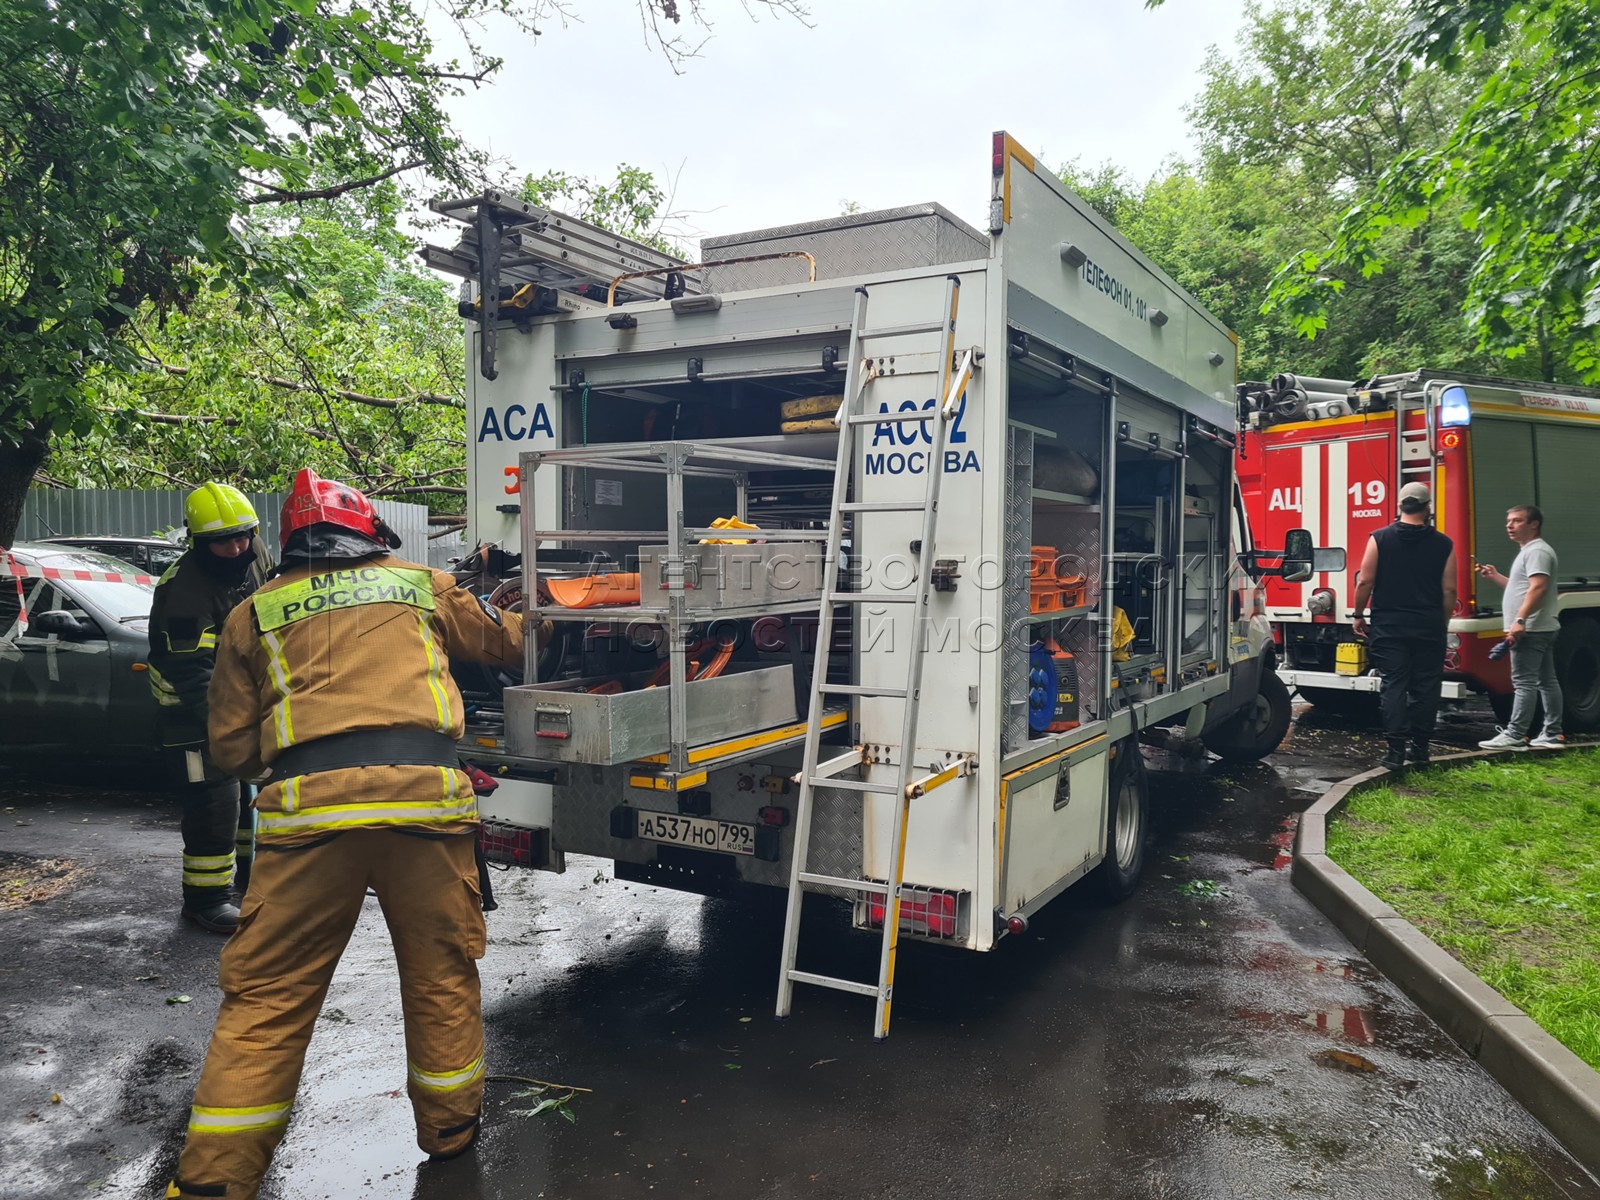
317	501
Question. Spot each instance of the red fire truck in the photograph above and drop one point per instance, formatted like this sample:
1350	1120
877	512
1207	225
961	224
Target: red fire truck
1329	455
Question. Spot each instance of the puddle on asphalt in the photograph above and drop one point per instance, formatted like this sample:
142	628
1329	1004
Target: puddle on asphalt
1282	842
1353	1023
1344	1060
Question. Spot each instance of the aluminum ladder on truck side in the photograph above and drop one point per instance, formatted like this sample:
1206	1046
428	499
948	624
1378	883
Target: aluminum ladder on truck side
851	417
1416	467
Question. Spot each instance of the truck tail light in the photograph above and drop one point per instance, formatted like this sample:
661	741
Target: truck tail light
924	911
503	843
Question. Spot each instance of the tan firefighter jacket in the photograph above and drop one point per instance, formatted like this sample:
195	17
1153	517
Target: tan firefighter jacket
340	647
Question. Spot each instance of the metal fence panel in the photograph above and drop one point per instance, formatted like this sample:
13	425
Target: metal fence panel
66	512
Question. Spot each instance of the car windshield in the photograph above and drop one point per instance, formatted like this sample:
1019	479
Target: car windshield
121	601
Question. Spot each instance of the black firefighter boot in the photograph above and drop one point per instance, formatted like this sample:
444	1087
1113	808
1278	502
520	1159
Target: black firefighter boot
212	909
1395	757
1417	752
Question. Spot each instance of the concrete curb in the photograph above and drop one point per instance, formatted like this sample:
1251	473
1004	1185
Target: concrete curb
1546	1078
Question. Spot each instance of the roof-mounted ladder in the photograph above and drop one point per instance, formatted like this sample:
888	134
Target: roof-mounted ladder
509	243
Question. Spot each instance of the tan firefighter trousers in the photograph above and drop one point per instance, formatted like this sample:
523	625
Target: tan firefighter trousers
302	906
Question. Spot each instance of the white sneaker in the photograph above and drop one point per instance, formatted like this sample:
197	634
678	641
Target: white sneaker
1504	740
1549	741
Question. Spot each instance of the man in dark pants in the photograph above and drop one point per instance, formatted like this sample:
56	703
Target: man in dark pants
1409	574
224	564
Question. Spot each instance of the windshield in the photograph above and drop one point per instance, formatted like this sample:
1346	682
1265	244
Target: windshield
123	602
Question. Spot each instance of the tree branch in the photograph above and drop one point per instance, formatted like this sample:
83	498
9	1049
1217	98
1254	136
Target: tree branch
282	196
184	419
291	385
480	77
148	470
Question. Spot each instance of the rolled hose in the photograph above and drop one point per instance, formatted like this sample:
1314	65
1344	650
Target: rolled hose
718	664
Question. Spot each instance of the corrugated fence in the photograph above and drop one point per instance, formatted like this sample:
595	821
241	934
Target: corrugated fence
63	512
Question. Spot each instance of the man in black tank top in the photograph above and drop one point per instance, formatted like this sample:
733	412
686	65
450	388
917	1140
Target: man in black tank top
1409	573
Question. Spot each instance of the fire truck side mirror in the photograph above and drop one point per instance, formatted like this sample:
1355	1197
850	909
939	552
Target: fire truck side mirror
1298	554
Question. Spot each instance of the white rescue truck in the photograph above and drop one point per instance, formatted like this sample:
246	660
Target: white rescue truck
872	548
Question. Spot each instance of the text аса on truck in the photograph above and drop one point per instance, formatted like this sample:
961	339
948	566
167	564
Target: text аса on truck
873	546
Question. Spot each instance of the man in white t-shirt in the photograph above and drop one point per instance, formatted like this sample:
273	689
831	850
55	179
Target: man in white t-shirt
1532	621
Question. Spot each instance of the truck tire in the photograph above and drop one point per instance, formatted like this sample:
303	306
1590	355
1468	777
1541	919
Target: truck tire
1259	728
1500	705
1127	825
1578	669
1356	706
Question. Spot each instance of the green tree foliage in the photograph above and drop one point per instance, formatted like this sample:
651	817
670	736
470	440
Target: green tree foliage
1291	127
634	204
354	370
140	141
352	367
1517	167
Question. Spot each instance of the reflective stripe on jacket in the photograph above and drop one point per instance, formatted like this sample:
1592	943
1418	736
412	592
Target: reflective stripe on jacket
186	615
351	646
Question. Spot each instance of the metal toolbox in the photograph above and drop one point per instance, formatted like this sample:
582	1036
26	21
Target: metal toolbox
736	576
563	722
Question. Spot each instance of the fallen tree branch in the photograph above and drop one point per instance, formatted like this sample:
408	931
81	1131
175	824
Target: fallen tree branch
181	419
563	1087
294	385
278	195
183	483
419	489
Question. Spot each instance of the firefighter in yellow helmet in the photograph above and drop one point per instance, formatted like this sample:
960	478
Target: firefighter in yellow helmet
225	562
335	678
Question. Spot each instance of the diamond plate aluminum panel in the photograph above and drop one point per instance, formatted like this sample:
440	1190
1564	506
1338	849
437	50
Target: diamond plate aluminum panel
890	239
1014	598
836	837
580	820
1082	530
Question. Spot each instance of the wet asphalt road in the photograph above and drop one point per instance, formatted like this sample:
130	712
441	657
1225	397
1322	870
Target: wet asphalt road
1176	1047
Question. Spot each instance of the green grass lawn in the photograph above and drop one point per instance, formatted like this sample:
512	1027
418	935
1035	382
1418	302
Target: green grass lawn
1499	863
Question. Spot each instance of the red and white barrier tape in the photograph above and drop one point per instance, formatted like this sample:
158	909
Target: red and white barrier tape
9	565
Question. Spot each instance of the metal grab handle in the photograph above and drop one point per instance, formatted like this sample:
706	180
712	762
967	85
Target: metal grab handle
611	292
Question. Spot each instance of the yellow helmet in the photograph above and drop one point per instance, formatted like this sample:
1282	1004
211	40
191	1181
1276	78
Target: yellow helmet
218	510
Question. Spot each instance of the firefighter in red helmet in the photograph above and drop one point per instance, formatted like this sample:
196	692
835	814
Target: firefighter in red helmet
334	683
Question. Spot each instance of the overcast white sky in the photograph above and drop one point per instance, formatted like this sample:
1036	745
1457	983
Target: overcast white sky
881	102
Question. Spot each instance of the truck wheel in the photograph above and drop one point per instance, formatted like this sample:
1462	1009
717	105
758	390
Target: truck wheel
1127	822
1500	705
1578	669
1357	706
1259	729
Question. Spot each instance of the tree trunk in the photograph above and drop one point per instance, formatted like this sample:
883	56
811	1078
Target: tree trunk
18	462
